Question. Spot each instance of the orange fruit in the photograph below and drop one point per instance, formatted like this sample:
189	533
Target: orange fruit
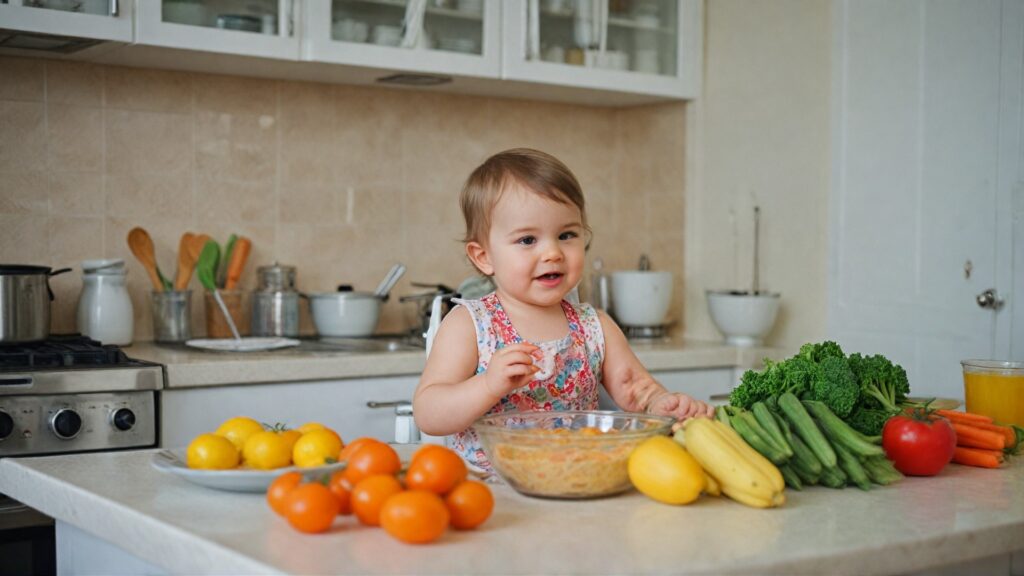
414	516
369	495
280	488
311	507
372	458
470	504
436	470
343	490
315	448
354	445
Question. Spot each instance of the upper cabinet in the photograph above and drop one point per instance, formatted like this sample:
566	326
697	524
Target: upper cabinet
607	52
261	28
64	28
441	37
641	46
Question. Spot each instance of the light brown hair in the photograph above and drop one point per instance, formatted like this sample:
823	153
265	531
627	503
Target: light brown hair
537	171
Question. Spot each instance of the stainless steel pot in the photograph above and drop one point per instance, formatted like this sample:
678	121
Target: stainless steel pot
25	298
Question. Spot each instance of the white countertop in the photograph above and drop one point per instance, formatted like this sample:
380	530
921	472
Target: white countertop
965	513
189	367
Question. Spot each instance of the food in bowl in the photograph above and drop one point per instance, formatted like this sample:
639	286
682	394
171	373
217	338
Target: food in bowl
566	454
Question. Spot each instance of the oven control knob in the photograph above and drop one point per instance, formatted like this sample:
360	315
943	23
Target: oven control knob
66	423
123	419
6	425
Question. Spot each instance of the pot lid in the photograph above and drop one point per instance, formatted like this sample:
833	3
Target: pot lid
19	269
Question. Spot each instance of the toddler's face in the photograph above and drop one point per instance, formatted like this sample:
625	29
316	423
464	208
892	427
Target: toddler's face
535	247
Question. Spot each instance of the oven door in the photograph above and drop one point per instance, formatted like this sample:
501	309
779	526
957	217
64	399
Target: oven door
27	543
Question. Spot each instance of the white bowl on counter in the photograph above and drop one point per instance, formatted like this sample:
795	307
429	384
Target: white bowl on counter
641	297
345	314
743	317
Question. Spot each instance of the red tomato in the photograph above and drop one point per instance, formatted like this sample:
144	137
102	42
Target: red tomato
919	445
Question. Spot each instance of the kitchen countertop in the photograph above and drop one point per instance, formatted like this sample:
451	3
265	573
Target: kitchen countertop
919	523
313	360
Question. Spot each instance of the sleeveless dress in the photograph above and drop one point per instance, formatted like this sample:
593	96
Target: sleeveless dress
570	384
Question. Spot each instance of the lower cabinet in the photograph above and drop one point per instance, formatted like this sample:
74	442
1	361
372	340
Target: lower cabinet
340	404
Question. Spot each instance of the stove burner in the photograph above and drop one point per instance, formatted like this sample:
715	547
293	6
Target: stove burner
61	351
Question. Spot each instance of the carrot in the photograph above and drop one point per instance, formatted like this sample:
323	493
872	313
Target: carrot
1006	431
967	435
238	258
964	417
977	457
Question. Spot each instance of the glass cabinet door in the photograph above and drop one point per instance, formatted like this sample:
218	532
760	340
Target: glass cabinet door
92	19
261	28
444	36
641	46
625	35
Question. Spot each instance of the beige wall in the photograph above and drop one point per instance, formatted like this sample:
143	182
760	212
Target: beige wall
336	180
760	134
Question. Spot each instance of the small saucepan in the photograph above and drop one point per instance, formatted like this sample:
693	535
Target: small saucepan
350	314
25	298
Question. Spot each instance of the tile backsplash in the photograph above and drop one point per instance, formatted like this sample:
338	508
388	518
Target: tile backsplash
339	181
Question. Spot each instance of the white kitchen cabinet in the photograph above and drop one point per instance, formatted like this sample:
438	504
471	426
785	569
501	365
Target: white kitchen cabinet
65	28
650	47
261	28
459	37
340	404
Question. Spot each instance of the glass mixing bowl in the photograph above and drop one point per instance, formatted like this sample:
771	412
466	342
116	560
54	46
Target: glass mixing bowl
564	454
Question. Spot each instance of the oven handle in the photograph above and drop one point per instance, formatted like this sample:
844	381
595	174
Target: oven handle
20	380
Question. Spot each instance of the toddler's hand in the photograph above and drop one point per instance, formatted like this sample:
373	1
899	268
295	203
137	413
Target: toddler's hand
679	406
511	367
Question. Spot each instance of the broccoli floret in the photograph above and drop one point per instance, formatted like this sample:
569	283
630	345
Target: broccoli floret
868	421
836	386
759	386
798	373
883	385
818	352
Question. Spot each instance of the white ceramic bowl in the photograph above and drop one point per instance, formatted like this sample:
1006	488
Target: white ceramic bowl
744	318
345	314
641	298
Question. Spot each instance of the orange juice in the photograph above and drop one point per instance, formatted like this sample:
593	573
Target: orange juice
995	389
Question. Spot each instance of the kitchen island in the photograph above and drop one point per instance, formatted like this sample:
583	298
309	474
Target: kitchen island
117	514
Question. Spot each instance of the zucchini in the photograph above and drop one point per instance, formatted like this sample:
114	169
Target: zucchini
723	416
851	466
791	477
745	424
807	430
833	477
771	427
881	471
804	458
839	432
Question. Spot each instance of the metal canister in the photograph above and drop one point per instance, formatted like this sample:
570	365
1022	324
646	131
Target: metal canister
275	302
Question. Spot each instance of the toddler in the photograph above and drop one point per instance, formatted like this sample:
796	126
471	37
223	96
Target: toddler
524	346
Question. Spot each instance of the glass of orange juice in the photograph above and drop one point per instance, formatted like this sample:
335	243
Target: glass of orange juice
995	388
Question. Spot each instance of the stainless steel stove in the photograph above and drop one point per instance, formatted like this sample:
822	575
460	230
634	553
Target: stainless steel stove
66	394
72	394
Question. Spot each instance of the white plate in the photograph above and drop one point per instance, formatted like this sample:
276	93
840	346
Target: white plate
244	345
237	480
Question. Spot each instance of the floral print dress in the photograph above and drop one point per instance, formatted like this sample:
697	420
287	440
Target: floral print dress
570	370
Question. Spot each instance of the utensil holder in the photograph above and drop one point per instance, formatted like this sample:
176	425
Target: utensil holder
172	312
216	324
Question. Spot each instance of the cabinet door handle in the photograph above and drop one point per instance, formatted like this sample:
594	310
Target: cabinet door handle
115	8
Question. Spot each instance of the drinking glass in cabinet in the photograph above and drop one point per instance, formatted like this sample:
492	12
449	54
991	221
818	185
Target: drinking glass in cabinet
253	16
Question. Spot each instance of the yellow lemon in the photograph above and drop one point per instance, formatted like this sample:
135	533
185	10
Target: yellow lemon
663	470
291	436
316	448
310	426
267	450
211	452
239	429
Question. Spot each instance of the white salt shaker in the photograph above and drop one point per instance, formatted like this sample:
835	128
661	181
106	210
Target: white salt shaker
104	307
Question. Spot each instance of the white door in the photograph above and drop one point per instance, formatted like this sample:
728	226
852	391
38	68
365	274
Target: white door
926	164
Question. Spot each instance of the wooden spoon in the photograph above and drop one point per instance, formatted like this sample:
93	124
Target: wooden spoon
141	246
185	262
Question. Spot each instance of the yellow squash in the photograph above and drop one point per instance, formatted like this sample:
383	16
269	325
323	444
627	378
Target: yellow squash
665	471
